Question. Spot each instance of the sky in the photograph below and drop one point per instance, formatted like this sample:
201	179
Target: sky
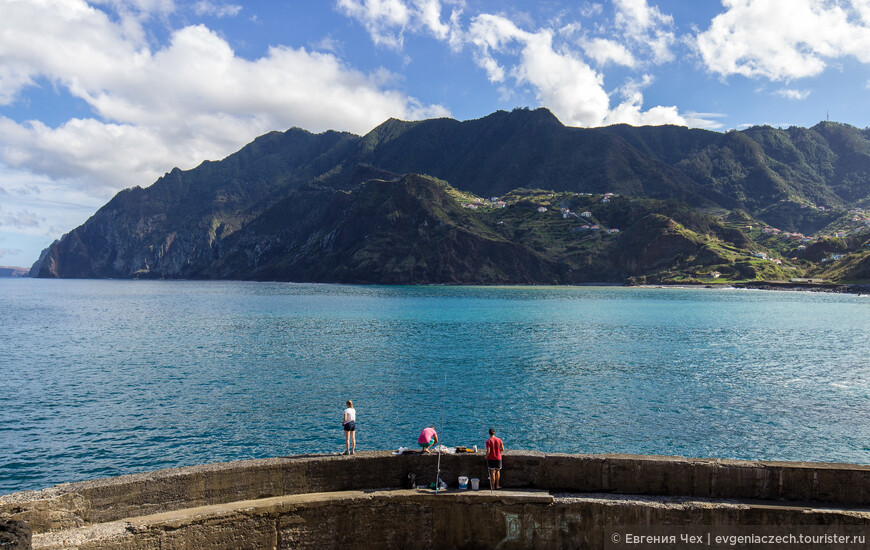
104	95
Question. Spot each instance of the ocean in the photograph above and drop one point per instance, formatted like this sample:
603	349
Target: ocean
103	378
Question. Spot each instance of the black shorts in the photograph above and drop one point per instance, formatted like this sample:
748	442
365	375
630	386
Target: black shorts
350	426
493	464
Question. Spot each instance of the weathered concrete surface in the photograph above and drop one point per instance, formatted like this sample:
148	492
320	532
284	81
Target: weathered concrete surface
276	503
421	519
14	535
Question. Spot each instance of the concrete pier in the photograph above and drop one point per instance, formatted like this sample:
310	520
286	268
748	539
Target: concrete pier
548	501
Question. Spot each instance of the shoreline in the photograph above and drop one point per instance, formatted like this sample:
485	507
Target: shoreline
860	289
830	288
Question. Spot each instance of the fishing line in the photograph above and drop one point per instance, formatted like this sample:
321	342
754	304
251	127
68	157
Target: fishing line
441	436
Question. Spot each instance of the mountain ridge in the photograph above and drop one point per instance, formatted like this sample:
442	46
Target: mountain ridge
208	222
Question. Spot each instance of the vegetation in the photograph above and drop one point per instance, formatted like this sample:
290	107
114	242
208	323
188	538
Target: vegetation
512	197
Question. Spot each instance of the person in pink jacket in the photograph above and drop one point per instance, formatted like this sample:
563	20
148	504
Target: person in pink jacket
428	437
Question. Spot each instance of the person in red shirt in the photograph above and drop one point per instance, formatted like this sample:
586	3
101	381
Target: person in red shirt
494	448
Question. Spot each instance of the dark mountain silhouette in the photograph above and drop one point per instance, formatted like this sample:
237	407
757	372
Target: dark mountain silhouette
335	206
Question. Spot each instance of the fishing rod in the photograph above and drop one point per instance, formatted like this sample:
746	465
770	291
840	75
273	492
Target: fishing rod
441	437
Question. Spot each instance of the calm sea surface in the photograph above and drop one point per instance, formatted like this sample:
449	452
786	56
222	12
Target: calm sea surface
101	378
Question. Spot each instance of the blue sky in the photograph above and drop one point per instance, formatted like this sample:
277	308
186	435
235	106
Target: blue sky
103	95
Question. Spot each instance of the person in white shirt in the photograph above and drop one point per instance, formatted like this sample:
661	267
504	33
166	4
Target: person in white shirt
349	423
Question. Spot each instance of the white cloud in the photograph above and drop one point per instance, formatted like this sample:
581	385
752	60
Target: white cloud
543	59
784	39
605	51
591	10
20	220
328	44
646	27
65	206
629	111
204	7
638	16
144	8
562	80
704	120
793	94
387	20
190	100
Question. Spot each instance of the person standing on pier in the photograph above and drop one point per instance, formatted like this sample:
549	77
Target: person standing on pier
349	423
494	448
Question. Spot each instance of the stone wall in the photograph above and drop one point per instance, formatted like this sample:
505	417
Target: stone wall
270	498
14	535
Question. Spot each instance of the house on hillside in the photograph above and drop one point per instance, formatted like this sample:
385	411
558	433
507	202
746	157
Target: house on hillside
542	209
586	214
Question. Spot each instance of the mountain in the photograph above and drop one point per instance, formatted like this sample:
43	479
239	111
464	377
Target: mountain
417	229
524	149
329	235
344	208
13	271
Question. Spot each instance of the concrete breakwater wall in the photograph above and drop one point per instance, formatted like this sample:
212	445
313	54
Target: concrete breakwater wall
549	500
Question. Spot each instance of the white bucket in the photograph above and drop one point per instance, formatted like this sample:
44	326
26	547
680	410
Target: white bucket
475	484
463	482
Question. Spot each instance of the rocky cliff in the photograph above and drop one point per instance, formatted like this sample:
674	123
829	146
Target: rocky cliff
332	207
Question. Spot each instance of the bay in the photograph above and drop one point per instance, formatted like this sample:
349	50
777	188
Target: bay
102	378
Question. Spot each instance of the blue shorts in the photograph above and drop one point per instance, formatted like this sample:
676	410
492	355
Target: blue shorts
350	426
428	444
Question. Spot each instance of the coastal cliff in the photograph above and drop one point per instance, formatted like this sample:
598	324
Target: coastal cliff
621	204
14	272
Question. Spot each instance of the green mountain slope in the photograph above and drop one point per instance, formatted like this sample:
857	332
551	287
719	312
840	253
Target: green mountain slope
524	148
295	205
408	230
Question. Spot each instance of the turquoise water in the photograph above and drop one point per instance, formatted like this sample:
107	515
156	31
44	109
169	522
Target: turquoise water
102	378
